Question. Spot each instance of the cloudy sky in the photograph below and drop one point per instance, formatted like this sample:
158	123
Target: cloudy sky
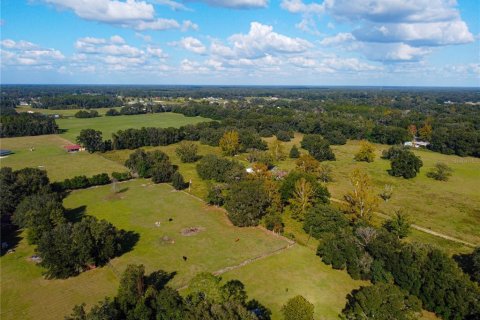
283	42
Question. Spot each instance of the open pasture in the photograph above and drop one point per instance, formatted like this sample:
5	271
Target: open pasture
450	207
137	206
49	154
109	125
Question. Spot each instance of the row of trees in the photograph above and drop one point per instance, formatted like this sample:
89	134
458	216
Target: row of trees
86	114
137	108
74	101
26	124
82	182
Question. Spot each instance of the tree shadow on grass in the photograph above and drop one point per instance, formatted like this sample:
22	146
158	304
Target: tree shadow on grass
10	237
122	190
159	279
76	214
128	241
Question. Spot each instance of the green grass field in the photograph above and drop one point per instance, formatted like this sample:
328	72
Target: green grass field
296	271
447	207
109	125
50	155
26	295
451	207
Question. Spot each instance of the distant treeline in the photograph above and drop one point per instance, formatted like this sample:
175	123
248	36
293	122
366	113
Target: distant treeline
83	101
138	108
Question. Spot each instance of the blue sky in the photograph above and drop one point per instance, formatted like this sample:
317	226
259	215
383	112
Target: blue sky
258	42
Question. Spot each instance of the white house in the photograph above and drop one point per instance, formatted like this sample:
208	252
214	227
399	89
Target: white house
416	143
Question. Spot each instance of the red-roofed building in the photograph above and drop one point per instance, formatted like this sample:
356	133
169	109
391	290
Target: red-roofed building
73	148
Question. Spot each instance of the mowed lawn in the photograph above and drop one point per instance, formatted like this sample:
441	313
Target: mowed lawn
49	154
451	207
109	125
26	295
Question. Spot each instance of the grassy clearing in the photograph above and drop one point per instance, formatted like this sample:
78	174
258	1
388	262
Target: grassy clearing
109	125
50	155
293	272
26	295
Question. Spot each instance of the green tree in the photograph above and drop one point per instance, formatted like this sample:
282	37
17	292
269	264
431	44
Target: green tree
187	151
211	167
91	139
294	153
406	165
58	252
39	213
162	172
318	147
132	287
284	136
247	203
381	301
399	225
178	182
324	220
298	308
440	172
366	152
322	151
230	143
216	195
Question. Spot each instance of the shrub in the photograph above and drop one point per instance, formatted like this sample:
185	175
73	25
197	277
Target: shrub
284	136
99	179
298	308
294	153
187	151
162	172
178	182
216	195
440	172
406	164
121	176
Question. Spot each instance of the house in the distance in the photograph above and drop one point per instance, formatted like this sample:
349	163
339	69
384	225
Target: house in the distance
73	148
416	143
